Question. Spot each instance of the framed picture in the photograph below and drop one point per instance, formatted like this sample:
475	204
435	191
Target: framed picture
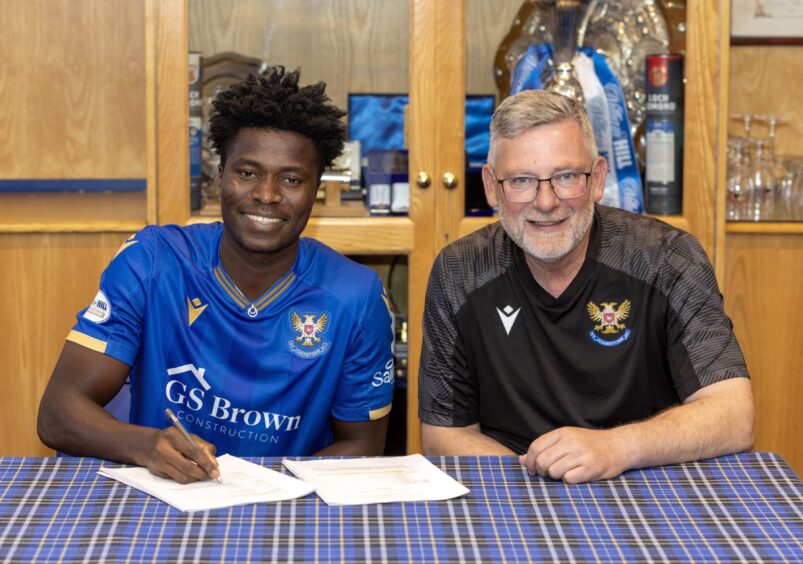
766	22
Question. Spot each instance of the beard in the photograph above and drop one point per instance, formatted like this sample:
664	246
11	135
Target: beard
548	247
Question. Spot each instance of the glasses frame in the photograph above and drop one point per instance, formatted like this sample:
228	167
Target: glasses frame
502	181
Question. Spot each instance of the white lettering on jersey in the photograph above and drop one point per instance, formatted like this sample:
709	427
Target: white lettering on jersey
386	376
221	408
508	317
100	309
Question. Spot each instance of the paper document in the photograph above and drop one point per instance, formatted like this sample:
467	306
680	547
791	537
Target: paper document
356	481
243	483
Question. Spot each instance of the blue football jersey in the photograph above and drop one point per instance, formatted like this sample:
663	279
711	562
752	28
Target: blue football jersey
258	378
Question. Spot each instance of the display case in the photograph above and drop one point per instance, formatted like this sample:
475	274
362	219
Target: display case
449	45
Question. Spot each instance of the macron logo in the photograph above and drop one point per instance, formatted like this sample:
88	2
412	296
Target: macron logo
508	317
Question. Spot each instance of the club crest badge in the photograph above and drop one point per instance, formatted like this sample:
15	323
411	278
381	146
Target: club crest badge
610	329
308	331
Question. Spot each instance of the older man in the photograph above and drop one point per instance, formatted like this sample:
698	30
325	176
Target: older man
586	339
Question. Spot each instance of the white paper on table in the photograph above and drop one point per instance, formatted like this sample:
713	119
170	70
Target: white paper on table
243	483
356	481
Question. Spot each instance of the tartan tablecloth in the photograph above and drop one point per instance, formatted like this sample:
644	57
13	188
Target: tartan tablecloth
746	507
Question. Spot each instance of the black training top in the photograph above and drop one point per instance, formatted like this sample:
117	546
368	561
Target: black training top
639	329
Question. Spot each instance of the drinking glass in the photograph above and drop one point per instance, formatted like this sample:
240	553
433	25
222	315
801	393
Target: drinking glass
740	187
760	171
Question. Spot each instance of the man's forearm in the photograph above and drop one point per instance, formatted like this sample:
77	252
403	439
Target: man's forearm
83	428
459	441
347	447
704	428
715	420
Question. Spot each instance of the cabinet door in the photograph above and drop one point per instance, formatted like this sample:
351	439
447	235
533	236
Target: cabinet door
435	130
72	113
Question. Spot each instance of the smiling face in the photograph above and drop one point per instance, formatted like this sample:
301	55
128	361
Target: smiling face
548	229
268	186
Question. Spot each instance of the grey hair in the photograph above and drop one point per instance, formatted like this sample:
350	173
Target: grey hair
531	108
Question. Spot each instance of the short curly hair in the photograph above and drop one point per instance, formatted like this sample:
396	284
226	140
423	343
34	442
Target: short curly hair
275	101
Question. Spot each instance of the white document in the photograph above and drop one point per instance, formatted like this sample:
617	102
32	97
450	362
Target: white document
243	483
356	481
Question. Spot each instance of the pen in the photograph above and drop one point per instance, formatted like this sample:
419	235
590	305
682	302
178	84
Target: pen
177	424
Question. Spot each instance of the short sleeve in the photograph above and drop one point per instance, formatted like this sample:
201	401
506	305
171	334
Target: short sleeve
365	387
444	386
112	323
702	346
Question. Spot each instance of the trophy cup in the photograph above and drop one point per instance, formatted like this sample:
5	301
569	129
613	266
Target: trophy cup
563	81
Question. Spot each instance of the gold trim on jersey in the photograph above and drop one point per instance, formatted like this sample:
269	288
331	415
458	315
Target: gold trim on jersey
375	414
271	296
263	302
127	243
86	341
230	288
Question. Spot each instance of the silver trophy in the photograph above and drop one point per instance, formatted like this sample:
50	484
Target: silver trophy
563	80
624	31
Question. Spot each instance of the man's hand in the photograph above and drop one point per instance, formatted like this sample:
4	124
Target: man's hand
170	455
576	455
715	420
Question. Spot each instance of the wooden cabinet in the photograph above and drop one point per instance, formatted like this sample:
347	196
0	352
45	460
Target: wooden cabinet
764	260
437	87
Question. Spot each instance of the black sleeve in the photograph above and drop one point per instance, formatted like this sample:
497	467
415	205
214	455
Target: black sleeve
446	397
702	347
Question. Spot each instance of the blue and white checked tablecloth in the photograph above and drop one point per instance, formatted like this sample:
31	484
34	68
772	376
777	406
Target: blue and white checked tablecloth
746	507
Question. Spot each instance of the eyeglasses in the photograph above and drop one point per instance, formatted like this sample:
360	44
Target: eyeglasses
524	189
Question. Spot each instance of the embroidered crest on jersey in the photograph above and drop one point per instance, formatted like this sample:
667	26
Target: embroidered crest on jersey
309	328
194	309
100	309
610	322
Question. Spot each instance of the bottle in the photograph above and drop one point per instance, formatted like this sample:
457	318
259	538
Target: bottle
664	135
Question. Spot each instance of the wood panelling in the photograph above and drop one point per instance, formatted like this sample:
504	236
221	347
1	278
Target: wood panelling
72	211
436	134
702	96
767	80
764	297
764	262
46	280
170	73
353	46
72	105
487	24
71	89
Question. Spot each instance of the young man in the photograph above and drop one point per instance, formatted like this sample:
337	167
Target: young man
261	343
589	339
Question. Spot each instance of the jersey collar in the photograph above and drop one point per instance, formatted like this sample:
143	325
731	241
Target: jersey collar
278	289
